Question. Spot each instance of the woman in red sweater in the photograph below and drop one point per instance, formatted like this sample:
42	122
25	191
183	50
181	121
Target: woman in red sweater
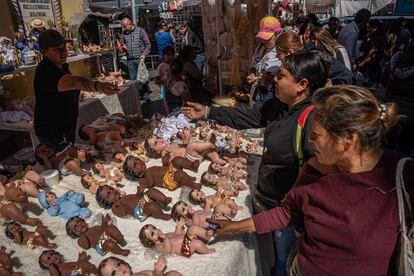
344	203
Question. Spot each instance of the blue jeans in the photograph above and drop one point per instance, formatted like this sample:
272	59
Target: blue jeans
200	60
133	68
284	240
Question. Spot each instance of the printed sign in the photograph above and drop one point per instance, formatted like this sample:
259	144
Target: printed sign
31	9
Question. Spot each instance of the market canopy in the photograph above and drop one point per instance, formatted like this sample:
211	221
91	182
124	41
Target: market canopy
350	7
113	6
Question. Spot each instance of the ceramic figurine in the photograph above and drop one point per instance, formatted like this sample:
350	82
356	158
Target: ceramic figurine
104	238
6	265
53	261
70	204
19	235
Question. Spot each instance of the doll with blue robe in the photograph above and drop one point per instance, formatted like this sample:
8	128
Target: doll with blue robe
67	206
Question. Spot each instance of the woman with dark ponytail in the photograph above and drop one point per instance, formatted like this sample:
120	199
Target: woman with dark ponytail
301	74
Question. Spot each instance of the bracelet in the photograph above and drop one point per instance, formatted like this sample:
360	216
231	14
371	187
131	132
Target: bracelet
96	86
207	112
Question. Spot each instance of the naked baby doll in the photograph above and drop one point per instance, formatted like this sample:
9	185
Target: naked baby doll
228	171
114	266
19	235
12	204
90	183
222	182
221	203
107	141
6	264
136	205
176	243
30	184
53	261
103	238
70	204
114	174
170	177
239	162
182	210
49	159
157	148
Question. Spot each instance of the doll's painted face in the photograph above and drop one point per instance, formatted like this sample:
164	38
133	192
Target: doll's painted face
88	180
198	195
109	194
15	228
136	165
15	194
216	167
154	234
81	155
157	145
98	166
89	131
184	210
78	226
50	197
115	267
210	178
51	257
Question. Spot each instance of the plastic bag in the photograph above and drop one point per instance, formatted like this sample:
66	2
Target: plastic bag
142	74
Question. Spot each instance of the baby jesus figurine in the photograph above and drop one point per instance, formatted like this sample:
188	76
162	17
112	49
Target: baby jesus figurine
30	184
222	182
11	207
90	183
19	235
223	205
104	238
70	204
193	151
6	263
107	141
53	261
113	265
170	177
177	243
229	171
136	205
113	174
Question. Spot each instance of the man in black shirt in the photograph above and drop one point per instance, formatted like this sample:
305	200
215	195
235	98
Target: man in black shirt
57	93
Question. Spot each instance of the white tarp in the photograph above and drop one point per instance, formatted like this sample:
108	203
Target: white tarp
350	7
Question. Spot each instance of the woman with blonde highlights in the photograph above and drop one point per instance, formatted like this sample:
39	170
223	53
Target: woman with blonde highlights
344	201
324	42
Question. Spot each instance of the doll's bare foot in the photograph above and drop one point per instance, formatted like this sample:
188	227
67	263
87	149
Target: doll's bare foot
211	250
167	201
51	245
125	252
195	165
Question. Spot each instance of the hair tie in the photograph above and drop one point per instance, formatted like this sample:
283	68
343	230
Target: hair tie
383	111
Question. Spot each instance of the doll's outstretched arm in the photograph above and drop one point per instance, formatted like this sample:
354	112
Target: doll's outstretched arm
180	226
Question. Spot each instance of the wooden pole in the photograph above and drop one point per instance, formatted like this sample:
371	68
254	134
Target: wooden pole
218	52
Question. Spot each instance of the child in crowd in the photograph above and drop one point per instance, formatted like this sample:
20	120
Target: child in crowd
176	91
164	71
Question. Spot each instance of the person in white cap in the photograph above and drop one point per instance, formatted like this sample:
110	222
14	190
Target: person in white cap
263	57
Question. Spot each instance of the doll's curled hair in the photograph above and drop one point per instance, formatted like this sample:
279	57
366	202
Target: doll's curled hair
8	232
84	183
41	265
143	239
203	181
174	213
150	152
69	231
100	200
103	264
192	199
82	133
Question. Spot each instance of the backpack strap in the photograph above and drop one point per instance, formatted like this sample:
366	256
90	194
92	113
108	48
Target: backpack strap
300	126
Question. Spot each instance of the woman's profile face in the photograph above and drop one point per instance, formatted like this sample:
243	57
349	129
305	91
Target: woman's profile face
324	145
287	87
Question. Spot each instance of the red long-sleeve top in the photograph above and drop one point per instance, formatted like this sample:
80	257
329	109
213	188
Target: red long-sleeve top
350	220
